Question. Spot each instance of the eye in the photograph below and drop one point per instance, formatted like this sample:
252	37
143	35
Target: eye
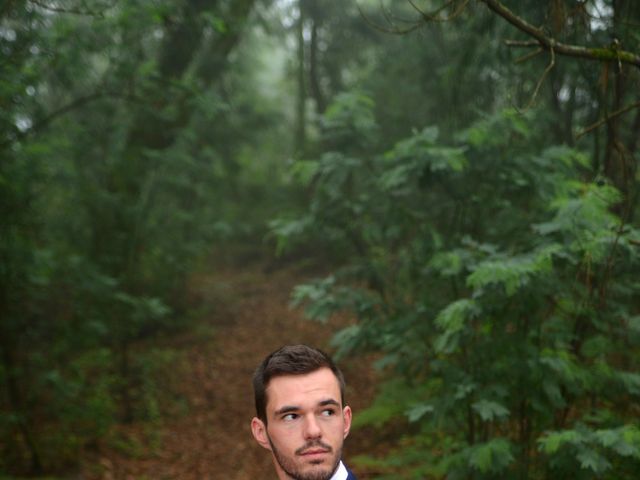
328	412
289	417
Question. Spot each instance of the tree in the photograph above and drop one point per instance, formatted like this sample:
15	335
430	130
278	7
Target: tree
108	175
491	261
592	31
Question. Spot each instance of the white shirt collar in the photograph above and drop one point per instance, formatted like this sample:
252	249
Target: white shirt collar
341	473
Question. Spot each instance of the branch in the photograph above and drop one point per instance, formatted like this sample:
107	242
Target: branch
435	15
607	118
552	63
5	7
542	39
529	55
427	17
73	105
521	43
73	11
394	31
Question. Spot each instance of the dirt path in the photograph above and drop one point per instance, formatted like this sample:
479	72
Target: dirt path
212	440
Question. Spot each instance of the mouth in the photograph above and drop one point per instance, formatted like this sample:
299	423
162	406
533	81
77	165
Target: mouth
314	452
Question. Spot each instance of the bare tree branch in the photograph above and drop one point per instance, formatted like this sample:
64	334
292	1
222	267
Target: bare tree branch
542	39
552	63
434	16
604	120
70	10
521	43
529	55
426	17
395	31
69	107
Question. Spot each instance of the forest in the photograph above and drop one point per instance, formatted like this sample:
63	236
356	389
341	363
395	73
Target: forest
442	193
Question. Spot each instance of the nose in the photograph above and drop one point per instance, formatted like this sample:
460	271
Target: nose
311	427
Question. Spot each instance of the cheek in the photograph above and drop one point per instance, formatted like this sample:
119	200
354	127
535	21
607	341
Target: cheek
283	437
334	428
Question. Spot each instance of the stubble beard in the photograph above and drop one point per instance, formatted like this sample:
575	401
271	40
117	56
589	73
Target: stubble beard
289	466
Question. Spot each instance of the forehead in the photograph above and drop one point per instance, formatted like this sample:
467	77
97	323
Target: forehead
302	390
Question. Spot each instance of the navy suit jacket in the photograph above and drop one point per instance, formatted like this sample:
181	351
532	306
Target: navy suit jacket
351	475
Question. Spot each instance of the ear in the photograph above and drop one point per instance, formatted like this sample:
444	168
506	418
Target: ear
259	430
346	415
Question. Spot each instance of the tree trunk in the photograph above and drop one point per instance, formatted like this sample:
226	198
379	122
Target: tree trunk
16	405
301	127
314	74
618	158
124	369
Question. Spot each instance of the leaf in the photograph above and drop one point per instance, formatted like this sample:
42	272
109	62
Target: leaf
453	317
513	272
463	390
483	134
305	170
596	346
634	323
417	412
493	456
397	177
447	158
553	393
625	441
489	410
565	366
568	157
414	145
318	296
631	381
395	400
448	263
287	231
452	320
412	157
350	117
591	460
584	217
346	340
218	24
552	441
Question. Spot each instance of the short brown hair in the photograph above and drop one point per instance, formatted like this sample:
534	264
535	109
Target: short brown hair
290	360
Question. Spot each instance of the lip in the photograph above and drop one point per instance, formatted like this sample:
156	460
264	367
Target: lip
314	452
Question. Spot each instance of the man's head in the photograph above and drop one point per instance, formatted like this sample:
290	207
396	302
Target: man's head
290	360
301	415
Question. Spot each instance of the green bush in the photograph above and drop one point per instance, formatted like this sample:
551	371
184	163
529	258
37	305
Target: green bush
501	287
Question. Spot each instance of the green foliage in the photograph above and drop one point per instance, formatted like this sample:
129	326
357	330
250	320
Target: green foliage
350	117
491	258
589	449
488	410
505	290
512	272
116	173
397	398
452	320
493	456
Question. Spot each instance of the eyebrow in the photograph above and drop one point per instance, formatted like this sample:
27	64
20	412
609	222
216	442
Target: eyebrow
294	408
285	409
